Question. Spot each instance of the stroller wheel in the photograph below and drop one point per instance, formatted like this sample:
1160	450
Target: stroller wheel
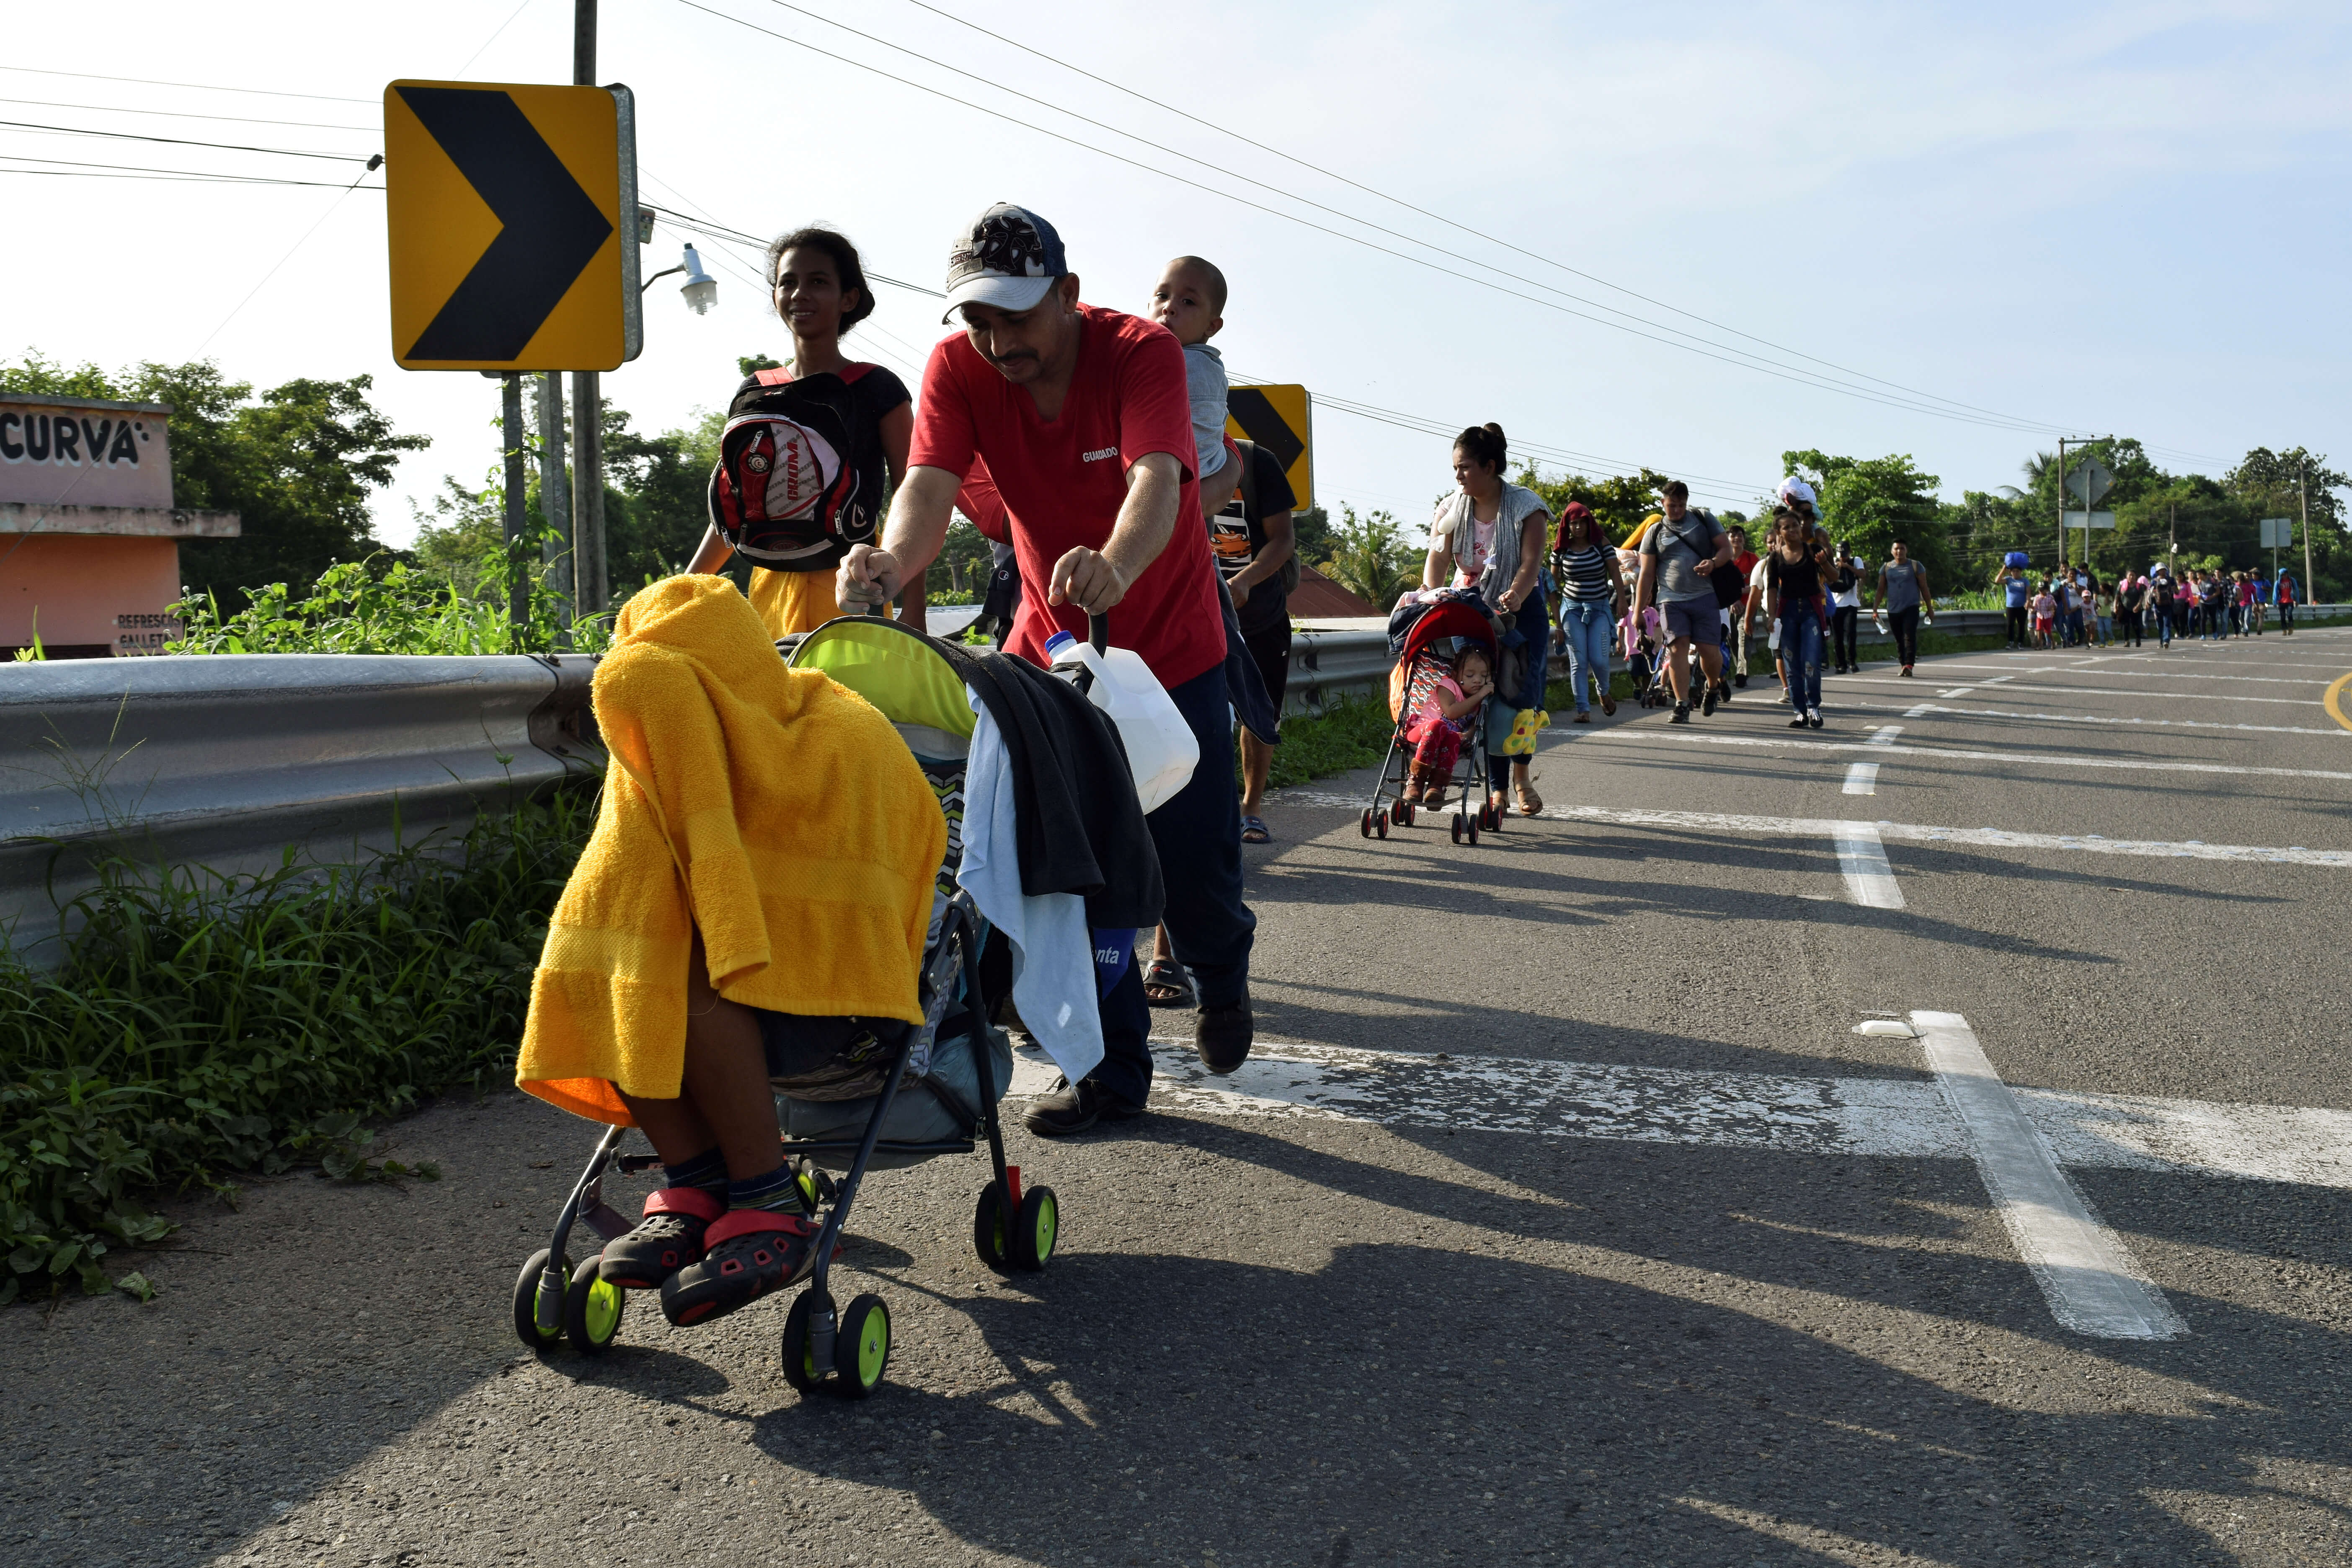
1380	824
1404	813
988	1237
1470	830
591	1310
1366	824
800	1366
1490	820
526	1303
1459	823
1036	1230
862	1350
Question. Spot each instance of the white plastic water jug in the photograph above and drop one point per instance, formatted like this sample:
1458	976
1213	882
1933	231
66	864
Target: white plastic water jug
1160	749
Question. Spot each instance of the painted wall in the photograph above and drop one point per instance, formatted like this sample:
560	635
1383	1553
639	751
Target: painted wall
88	590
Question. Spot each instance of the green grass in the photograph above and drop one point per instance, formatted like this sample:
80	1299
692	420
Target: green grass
205	1025
1344	736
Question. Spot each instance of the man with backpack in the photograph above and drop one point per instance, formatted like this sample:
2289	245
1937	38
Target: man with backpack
1681	553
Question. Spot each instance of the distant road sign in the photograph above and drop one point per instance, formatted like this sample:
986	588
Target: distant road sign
2278	533
2090	483
504	205
1280	418
2089	519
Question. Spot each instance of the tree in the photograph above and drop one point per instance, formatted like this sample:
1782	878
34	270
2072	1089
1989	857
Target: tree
298	464
1619	503
1869	503
962	569
1370	557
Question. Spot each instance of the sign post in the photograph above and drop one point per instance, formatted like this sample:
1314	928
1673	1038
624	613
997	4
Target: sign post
2088	484
2277	534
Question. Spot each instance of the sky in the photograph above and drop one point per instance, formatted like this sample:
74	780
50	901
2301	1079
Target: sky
1991	223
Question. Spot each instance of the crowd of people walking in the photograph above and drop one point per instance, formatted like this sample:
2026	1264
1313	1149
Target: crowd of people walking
2074	609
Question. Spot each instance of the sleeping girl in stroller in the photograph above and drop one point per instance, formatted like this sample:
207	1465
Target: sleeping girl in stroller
1442	703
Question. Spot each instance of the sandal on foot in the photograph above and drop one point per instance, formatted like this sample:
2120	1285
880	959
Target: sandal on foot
669	1237
1165	984
1530	803
753	1252
1253	831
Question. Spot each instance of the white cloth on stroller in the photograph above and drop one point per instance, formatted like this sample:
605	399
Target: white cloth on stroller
1053	952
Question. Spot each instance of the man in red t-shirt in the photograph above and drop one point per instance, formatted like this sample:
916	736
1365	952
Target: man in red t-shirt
1081	418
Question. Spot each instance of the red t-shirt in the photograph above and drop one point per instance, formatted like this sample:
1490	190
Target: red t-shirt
1062	482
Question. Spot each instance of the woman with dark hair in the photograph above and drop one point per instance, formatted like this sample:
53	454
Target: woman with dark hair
818	287
1490	535
1592	589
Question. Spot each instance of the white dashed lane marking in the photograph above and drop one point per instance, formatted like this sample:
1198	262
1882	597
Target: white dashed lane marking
1862	778
1861	859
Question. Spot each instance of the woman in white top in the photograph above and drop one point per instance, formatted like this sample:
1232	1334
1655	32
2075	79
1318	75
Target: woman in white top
1490	535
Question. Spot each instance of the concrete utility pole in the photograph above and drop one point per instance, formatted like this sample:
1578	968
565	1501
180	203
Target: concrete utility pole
517	579
590	590
555	496
2303	493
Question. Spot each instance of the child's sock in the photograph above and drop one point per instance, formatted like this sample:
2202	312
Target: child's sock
773	1191
707	1170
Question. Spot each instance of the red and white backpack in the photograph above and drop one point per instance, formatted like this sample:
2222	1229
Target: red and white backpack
790	489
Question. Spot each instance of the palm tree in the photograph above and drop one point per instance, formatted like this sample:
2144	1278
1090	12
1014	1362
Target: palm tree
1370	557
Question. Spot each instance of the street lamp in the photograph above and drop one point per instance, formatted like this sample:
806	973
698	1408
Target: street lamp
700	289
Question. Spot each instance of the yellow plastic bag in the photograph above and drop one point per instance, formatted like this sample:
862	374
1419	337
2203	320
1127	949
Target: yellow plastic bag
1525	726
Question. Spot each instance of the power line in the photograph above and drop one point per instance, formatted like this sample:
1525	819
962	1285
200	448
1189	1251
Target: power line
373	163
1750	361
1450	223
1419	424
192	86
1394	234
69	166
185	114
493	39
176	141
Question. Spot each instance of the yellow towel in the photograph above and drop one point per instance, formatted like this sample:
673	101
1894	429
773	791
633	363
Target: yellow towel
800	823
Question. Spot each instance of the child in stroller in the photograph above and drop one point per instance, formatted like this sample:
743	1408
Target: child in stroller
879	1071
1440	700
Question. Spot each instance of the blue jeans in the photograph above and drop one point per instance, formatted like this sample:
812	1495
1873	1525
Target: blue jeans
1198	832
1800	649
1592	639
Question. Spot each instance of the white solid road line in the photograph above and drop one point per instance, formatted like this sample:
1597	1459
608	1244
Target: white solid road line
1869	880
1845	682
1982	837
1923	708
2147	674
1905	1118
1953	753
2086	1274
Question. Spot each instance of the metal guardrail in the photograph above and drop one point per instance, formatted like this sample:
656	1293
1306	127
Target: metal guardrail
226	760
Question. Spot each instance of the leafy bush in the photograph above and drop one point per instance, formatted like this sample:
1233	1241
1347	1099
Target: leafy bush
357	608
205	1024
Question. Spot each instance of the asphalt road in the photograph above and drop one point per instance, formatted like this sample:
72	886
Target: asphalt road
1573	1223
